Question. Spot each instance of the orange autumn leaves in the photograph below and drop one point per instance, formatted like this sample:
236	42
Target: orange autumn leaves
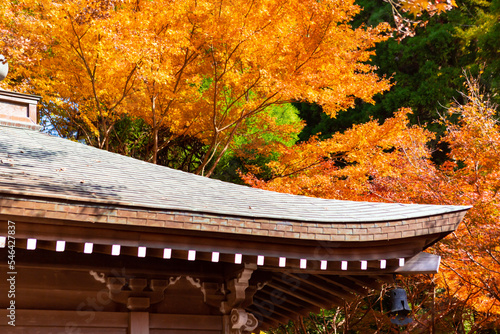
196	68
354	165
473	178
392	162
417	7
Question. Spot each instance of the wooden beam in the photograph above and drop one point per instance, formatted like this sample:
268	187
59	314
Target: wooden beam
334	268
135	266
138	323
282	306
183	322
281	298
271	263
72	320
385	278
367	281
299	295
302	286
310	280
422	263
263	303
344	284
135	236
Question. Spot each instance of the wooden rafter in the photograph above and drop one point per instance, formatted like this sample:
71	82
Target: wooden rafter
337	296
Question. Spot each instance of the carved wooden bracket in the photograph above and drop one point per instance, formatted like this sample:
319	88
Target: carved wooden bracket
213	294
239	291
240	322
136	293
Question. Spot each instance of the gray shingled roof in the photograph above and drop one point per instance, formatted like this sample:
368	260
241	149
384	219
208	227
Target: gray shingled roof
33	163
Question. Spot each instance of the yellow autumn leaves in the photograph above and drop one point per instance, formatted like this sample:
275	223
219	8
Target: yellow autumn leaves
196	68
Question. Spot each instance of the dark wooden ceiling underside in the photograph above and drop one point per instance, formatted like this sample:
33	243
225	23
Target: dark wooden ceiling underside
290	295
284	293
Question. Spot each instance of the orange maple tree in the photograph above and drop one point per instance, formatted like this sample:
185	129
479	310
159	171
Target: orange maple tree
472	177
197	68
392	162
369	161
75	59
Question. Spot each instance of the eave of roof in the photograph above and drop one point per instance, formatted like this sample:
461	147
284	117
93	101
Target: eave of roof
35	164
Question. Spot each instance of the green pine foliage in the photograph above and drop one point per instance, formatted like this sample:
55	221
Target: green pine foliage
426	69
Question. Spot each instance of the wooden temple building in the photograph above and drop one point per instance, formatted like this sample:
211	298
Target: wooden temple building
108	244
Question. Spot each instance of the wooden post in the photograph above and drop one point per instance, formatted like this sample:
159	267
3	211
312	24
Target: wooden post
138	323
226	324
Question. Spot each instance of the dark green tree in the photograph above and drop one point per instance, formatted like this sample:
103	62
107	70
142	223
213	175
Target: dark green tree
426	69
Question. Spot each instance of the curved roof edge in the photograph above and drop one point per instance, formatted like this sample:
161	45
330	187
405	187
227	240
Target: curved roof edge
35	164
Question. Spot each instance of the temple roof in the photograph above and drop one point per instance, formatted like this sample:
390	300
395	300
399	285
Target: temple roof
79	210
36	164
